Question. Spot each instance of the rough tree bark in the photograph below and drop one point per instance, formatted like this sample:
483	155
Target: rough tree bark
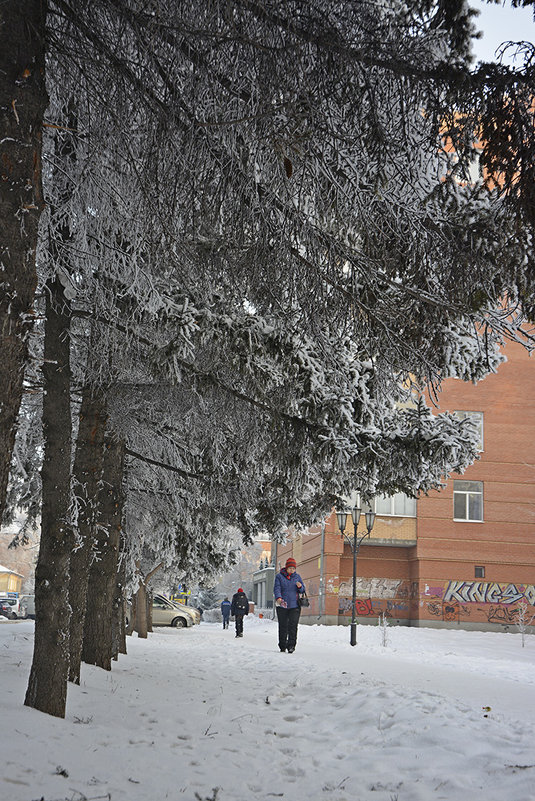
142	611
88	467
141	624
97	647
118	611
132	613
23	100
47	685
150	596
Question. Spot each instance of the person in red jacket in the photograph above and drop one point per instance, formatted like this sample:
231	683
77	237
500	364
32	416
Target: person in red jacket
287	588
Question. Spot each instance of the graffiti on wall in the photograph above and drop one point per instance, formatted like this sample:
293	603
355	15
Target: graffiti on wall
332	585
364	607
375	596
489	592
368	607
451	611
373	588
496	602
502	614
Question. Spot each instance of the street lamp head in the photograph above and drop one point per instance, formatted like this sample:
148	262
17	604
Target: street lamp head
355	514
341	517
370	520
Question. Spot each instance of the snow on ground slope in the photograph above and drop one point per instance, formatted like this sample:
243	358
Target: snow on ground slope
187	711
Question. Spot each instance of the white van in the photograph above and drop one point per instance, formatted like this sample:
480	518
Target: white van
28	601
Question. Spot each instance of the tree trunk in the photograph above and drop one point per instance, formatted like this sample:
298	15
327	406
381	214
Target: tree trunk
97	648
47	686
143	610
132	616
88	466
118	612
149	610
23	100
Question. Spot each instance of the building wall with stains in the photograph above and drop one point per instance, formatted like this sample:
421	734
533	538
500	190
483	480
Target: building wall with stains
475	574
433	570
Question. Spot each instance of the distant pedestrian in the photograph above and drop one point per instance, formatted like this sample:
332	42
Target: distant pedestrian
225	611
239	608
287	589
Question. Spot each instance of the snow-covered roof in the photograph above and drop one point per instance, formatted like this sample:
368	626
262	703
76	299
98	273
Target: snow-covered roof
8	570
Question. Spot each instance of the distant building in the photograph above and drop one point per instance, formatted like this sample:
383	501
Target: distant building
460	557
10	581
22	559
263	580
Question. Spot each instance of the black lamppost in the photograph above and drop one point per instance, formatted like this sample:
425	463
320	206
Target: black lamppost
355	543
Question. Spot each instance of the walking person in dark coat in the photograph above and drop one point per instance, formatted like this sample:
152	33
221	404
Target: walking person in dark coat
239	608
287	588
225	611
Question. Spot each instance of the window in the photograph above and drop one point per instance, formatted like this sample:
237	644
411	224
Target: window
477	419
479	571
398	505
468	500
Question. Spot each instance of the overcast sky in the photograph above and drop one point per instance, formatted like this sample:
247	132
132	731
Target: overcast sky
501	23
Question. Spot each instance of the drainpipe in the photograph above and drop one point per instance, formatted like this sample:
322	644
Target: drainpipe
321	604
274	614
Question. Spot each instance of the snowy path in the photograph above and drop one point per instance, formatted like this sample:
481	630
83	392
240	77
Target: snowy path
188	711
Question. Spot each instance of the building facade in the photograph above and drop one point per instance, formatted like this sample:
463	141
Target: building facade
463	556
263	580
10	582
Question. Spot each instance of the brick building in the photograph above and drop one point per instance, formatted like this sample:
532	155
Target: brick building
463	556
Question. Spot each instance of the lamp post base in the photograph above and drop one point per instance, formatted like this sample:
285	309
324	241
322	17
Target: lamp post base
353	638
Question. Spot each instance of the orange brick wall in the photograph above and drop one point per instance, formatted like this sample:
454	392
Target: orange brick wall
504	543
433	582
383	582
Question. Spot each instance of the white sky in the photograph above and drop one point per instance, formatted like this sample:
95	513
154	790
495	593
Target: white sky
435	715
501	23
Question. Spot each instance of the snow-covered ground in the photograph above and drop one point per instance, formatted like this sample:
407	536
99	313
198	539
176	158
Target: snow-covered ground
187	711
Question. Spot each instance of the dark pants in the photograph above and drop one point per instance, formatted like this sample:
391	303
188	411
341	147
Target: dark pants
288	620
239	624
225	621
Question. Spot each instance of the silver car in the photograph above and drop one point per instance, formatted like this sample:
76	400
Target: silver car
189	610
13	608
166	613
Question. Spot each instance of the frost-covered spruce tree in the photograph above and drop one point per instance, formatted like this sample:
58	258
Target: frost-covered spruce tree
305	172
265	212
304	159
23	100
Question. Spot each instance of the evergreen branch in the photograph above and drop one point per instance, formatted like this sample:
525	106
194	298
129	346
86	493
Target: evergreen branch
172	468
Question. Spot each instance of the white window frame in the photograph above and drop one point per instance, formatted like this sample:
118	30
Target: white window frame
392	512
467	492
477	417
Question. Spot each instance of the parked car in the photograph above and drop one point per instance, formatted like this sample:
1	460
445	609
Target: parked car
5	609
189	610
11	608
167	613
29	602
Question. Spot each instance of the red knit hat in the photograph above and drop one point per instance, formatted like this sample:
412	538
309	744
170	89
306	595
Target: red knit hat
291	562
240	589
